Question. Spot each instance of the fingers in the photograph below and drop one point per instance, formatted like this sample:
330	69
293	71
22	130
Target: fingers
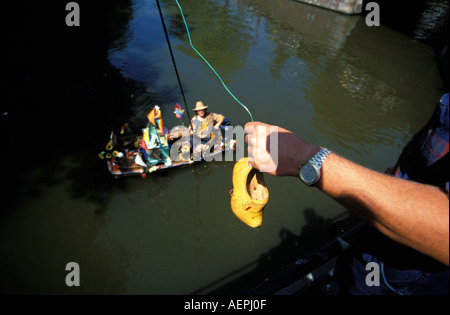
257	132
251	138
262	156
250	130
252	163
250	127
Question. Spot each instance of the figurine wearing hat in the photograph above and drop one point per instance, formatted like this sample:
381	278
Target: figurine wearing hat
203	122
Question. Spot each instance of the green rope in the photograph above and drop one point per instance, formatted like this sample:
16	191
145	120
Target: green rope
223	83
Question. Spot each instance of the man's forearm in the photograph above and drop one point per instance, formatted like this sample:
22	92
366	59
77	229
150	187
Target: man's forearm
410	213
413	214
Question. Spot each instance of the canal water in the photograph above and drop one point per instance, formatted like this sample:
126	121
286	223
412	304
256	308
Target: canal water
360	91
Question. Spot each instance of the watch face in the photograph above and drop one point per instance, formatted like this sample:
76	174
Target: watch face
309	174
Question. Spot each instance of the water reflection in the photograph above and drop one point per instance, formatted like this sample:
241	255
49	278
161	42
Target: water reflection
433	22
354	107
62	97
285	252
224	47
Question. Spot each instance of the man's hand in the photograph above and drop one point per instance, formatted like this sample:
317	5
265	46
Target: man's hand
276	150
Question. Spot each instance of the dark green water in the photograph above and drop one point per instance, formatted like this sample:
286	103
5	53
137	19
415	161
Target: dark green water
328	77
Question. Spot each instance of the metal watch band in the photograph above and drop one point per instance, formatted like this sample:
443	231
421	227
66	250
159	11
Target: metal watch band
319	157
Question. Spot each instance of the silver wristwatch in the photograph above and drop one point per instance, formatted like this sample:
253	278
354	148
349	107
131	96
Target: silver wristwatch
310	171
